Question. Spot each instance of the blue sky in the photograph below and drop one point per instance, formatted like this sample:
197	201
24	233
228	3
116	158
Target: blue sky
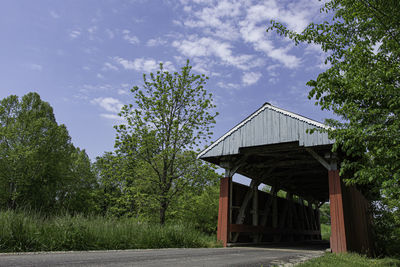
84	56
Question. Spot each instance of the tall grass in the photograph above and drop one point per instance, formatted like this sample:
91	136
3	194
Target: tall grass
24	231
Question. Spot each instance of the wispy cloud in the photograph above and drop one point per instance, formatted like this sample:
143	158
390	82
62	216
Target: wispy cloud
156	42
132	39
109	104
54	14
223	25
114	117
250	78
108	66
228	85
195	46
144	64
74	34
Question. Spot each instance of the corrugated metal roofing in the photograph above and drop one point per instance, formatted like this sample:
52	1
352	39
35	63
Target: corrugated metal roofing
268	125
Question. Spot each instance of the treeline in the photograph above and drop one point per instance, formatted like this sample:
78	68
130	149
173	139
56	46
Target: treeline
40	169
152	175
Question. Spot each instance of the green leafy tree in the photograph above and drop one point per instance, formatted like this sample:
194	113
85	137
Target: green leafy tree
171	115
79	185
362	87
110	171
40	169
198	204
362	43
34	153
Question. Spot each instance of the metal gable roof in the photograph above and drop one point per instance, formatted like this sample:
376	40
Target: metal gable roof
268	125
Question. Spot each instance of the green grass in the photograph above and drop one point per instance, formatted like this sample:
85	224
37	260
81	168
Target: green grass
325	231
21	231
348	260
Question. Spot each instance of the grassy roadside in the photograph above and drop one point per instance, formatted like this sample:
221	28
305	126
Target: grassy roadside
348	260
21	231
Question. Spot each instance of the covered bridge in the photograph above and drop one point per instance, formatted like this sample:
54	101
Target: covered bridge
276	147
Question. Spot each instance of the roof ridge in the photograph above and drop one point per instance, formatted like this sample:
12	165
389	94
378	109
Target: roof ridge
254	114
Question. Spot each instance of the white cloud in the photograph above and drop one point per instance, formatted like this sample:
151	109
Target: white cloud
207	47
74	34
228	85
156	42
54	14
109	66
228	22
112	117
96	88
110	104
123	92
98	75
132	39
250	78
144	64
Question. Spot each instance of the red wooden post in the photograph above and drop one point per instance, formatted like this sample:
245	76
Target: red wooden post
223	211
338	233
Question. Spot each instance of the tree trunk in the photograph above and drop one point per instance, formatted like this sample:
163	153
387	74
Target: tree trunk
163	209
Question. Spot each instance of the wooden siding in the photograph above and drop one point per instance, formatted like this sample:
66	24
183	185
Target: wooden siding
357	221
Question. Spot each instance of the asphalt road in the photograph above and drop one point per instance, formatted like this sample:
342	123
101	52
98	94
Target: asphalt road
238	256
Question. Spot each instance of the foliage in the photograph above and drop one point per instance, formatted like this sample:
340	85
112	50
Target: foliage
39	166
171	115
325	214
115	176
23	231
126	189
362	87
199	206
348	259
325	232
386	230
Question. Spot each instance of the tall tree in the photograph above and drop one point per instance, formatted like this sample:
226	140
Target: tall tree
362	86
39	167
171	115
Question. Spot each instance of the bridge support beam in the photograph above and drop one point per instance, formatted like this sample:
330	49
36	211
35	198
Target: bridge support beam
224	210
338	232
